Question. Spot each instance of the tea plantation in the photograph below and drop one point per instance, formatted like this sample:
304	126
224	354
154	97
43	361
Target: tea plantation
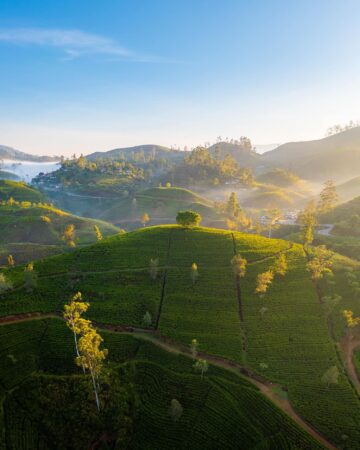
285	336
221	409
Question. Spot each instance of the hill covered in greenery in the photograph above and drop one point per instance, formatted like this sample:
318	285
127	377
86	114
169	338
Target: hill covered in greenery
20	192
223	407
30	230
284	336
241	150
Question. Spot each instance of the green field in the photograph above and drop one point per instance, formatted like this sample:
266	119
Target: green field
223	407
290	343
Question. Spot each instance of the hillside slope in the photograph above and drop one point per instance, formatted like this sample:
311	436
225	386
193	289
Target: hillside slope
223	407
20	192
161	204
349	190
283	336
335	157
32	232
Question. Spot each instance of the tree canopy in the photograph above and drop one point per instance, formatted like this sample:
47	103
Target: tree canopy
188	219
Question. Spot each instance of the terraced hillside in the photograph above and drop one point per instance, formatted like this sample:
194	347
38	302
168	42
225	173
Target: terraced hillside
223	407
30	230
284	337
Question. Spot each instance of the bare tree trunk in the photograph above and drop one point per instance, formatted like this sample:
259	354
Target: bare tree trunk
77	348
96	393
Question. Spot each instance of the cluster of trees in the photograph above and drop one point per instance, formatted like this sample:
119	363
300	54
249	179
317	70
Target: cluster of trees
200	168
79	172
26	204
339	128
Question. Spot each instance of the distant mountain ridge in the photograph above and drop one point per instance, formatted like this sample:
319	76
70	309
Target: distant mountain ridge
147	149
17	155
334	157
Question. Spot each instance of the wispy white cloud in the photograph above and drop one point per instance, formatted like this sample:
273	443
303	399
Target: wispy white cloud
74	43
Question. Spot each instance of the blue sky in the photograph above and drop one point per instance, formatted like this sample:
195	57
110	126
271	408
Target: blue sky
92	75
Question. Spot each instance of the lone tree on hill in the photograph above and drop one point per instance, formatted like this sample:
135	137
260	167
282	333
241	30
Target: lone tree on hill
194	346
351	321
69	235
11	261
280	266
194	273
331	376
176	410
202	366
320	262
72	315
308	221
328	197
264	281
4	284
92	357
239	266
145	219
232	206
30	277
147	320
98	234
88	353
188	219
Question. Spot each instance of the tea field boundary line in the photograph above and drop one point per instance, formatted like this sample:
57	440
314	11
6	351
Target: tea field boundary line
163	286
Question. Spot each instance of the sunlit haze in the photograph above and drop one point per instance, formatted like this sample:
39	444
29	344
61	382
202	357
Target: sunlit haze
84	76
